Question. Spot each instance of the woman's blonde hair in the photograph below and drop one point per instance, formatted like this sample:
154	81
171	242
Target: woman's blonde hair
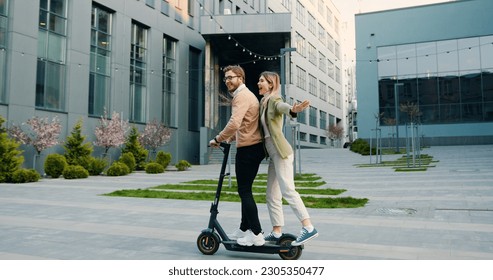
273	79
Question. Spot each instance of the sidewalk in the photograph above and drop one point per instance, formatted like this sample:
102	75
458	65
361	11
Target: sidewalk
443	213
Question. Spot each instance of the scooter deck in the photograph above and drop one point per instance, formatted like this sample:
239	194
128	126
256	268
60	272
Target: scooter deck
266	248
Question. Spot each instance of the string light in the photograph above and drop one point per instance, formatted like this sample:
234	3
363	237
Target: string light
236	42
421	56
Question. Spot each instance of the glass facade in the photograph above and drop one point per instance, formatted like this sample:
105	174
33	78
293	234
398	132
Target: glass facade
195	118
100	65
448	81
138	70
169	82
3	46
52	46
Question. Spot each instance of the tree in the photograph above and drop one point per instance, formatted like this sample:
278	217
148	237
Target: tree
154	136
336	132
133	146
10	157
412	111
76	151
42	133
110	133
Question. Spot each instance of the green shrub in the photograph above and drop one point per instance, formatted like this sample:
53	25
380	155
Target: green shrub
97	166
163	158
128	159
54	165
183	165
154	168
76	151
118	169
25	176
11	157
362	147
132	145
75	172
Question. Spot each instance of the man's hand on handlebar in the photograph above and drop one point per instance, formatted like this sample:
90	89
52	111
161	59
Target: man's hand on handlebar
214	143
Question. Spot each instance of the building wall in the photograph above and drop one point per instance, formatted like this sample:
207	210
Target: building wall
429	23
217	23
22	56
300	59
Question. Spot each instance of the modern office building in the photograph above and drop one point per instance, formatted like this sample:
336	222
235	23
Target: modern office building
436	61
262	35
162	60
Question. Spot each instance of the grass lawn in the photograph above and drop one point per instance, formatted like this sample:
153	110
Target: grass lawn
308	185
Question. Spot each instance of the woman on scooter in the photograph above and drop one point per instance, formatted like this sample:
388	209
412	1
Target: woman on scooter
280	181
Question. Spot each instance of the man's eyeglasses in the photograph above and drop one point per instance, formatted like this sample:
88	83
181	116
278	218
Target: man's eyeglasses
229	78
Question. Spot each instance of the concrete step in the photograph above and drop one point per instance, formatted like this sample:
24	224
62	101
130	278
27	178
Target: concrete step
217	155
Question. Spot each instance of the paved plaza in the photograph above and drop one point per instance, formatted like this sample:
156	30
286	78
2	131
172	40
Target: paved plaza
444	213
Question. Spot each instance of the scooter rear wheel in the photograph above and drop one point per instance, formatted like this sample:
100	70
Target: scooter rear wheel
208	244
294	252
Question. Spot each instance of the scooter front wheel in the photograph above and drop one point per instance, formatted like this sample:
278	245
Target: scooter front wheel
294	252
208	243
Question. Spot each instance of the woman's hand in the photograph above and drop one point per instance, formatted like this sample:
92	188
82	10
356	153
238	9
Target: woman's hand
300	107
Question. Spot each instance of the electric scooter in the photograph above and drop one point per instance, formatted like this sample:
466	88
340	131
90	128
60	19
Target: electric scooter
210	238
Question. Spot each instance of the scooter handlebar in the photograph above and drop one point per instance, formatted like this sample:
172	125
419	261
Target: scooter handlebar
224	144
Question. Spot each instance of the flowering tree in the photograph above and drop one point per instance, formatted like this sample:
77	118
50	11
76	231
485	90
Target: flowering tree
42	134
335	132
155	135
110	132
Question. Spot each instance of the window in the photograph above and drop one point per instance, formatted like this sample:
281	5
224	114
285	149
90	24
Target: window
303	136
323	91
449	81
329	16
322	62
312	85
321	7
311	24
100	65
50	75
300	12
191	7
332	96
323	120
3	46
313	116
138	73
300	45
169	82
195	115
331	69
312	54
4	7
165	7
321	34
313	138
286	4
330	43
300	77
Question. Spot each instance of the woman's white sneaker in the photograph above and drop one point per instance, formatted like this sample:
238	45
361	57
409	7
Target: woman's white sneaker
237	234
251	239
